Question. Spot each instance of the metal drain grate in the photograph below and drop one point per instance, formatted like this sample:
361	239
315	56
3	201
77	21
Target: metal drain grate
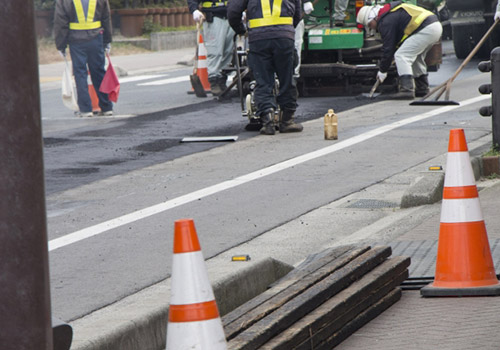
372	204
423	259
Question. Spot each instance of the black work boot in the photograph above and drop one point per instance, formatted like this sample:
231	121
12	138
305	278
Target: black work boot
267	120
215	88
287	124
421	86
406	88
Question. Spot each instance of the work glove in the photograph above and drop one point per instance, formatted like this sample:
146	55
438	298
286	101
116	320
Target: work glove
198	16
62	53
497	15
308	7
244	16
108	48
381	76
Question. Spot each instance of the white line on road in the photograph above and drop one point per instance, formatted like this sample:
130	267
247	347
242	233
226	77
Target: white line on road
140	77
166	81
205	192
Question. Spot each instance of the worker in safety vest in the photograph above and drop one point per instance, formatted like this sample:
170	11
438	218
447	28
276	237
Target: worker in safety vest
408	32
218	38
271	37
85	26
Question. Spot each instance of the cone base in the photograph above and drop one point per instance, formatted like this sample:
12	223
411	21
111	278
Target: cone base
431	291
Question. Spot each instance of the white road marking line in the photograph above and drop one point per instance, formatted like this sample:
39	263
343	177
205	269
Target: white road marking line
166	81
140	77
205	192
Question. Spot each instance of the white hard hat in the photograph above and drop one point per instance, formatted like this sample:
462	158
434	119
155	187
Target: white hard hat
367	13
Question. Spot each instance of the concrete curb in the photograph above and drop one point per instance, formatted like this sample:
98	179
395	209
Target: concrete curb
140	320
428	188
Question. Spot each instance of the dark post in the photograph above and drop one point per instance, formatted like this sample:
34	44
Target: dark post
495	95
25	319
492	110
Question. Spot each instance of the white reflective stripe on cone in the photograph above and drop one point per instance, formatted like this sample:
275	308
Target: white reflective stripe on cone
202	64
201	335
458	170
461	210
202	50
190	282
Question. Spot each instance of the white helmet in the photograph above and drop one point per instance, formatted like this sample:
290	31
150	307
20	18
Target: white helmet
367	13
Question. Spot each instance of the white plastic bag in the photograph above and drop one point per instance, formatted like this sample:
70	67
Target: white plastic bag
68	88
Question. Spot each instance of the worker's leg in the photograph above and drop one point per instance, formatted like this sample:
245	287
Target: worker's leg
299	39
283	59
79	61
415	46
96	67
340	8
260	61
228	53
214	37
432	34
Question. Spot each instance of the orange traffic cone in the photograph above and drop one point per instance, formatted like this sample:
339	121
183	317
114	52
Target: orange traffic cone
202	65
193	320
464	266
93	96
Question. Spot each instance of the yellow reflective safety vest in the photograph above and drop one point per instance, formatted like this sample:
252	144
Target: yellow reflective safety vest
85	22
270	18
418	15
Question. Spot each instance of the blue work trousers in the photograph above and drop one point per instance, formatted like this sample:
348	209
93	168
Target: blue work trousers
267	57
89	53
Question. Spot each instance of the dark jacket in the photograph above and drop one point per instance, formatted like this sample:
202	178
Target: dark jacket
65	14
391	26
216	10
289	8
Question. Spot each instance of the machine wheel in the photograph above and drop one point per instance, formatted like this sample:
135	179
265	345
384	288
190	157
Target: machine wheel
465	39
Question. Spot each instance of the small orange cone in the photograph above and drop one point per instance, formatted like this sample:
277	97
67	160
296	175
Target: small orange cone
202	65
193	319
464	266
93	96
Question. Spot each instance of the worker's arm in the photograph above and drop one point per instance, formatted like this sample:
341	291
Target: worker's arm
61	25
297	16
235	10
106	25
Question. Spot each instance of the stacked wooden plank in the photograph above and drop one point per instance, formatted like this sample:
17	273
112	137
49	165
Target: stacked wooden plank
321	302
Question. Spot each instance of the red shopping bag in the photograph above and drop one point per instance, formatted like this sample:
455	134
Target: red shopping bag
110	84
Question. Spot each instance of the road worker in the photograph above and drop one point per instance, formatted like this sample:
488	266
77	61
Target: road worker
271	37
218	38
408	32
85	25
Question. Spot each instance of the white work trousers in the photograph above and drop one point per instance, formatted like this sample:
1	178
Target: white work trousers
410	57
299	39
218	38
340	8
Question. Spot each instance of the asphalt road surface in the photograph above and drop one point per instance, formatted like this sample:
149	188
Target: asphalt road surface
116	185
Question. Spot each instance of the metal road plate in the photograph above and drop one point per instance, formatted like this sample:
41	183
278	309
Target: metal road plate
423	255
210	139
